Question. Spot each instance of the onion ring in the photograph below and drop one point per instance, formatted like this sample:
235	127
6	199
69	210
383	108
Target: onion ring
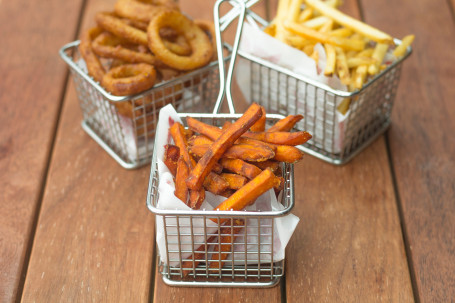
120	28
110	46
202	50
209	28
94	66
129	79
143	10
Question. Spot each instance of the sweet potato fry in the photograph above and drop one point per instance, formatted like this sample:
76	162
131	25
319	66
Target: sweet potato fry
195	259
215	183
239	151
177	131
234	181
226	125
171	157
202	128
197	196
247	194
226	140
272	164
225	243
240	167
288	154
281	138
286	124
178	135
181	190
259	126
199	140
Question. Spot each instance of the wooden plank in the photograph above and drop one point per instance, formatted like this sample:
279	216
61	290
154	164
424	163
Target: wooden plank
348	245
421	141
164	293
94	239
31	88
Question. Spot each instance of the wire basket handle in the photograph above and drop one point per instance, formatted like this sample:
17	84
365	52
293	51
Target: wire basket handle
225	84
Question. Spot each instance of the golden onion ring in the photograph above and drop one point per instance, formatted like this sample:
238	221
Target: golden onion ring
202	50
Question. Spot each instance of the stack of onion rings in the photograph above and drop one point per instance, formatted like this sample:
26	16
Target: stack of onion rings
121	52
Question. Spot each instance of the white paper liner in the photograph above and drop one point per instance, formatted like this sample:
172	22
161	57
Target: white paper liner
311	101
283	226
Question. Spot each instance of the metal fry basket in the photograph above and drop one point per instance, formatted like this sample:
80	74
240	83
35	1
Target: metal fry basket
337	137
210	248
124	126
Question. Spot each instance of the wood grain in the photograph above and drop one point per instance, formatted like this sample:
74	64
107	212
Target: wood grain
164	293
421	141
348	246
31	88
94	239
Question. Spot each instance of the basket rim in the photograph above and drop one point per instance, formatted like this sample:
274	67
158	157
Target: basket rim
320	85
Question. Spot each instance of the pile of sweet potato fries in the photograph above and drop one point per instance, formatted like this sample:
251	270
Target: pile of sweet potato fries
240	161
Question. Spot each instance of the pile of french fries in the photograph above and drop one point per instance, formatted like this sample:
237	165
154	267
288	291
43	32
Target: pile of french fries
240	161
355	50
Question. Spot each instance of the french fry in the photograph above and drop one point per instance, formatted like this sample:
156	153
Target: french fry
294	10
259	126
326	27
238	151
171	157
248	193
221	144
378	56
305	15
288	154
344	105
177	132
342	67
225	243
241	167
281	138
202	128
215	184
227	124
300	42
181	190
213	133
316	23
331	60
199	255
357	61
234	181
306	32
285	124
349	22
342	32
272	164
197	196
360	76
400	50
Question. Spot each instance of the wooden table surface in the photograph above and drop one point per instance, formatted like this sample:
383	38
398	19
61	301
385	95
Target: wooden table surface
75	228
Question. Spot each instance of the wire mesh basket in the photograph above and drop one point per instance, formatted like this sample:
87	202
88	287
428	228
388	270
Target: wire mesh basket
221	248
125	125
337	137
